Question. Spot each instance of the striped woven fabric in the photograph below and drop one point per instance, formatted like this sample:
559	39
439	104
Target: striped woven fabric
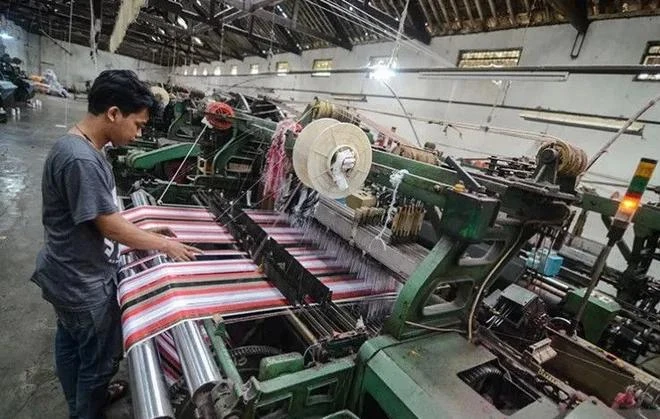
159	297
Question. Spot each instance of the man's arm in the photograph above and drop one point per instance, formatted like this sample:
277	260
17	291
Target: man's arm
115	227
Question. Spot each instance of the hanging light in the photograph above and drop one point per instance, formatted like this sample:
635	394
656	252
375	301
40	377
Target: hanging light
181	22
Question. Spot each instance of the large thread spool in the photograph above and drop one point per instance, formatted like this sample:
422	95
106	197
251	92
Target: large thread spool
316	149
219	115
572	160
323	109
161	95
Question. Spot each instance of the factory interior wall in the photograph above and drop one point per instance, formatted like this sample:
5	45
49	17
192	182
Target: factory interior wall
39	53
80	66
610	42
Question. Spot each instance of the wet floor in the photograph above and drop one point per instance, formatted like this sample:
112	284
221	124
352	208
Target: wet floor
28	386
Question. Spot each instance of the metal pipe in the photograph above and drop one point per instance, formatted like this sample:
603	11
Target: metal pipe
199	369
555	283
224	358
150	398
545	295
548	288
301	328
496	72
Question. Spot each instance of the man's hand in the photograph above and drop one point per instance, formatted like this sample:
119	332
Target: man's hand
163	231
116	227
180	252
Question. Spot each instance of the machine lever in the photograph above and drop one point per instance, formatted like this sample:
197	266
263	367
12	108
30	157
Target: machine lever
467	178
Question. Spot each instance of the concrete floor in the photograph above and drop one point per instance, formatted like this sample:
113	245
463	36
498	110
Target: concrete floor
28	385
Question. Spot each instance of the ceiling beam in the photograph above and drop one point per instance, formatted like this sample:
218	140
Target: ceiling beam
289	24
418	20
493	11
422	36
509	8
339	28
480	11
261	4
205	16
457	16
140	38
468	10
445	14
209	23
161	23
290	40
575	11
252	42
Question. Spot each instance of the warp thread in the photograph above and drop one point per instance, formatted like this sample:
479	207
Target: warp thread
277	163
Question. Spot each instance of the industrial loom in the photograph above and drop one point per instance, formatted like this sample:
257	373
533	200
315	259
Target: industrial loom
368	291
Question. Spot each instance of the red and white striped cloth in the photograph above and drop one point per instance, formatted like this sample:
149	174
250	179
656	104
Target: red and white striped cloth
157	298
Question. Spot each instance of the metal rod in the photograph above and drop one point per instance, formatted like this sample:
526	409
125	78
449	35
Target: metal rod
224	358
300	327
150	398
595	277
470	182
578	69
199	369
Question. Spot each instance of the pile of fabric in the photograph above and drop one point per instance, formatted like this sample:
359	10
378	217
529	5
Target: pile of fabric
48	84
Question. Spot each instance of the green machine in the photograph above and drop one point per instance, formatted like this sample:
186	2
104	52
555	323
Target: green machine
428	355
431	358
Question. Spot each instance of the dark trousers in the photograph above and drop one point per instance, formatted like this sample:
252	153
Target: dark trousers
87	353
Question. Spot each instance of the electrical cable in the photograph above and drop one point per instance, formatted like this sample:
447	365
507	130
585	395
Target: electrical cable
434	329
412	126
486	282
478	297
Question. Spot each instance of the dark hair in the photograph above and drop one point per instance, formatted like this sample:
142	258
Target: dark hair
120	88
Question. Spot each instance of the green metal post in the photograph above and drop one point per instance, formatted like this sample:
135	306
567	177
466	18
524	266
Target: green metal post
224	358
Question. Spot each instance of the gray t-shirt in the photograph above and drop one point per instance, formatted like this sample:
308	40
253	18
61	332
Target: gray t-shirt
76	268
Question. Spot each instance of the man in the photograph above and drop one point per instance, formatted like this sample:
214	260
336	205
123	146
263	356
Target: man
76	269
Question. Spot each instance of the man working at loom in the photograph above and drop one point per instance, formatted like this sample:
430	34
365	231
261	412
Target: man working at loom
76	269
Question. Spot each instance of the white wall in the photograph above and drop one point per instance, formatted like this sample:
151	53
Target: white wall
611	42
40	53
79	67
